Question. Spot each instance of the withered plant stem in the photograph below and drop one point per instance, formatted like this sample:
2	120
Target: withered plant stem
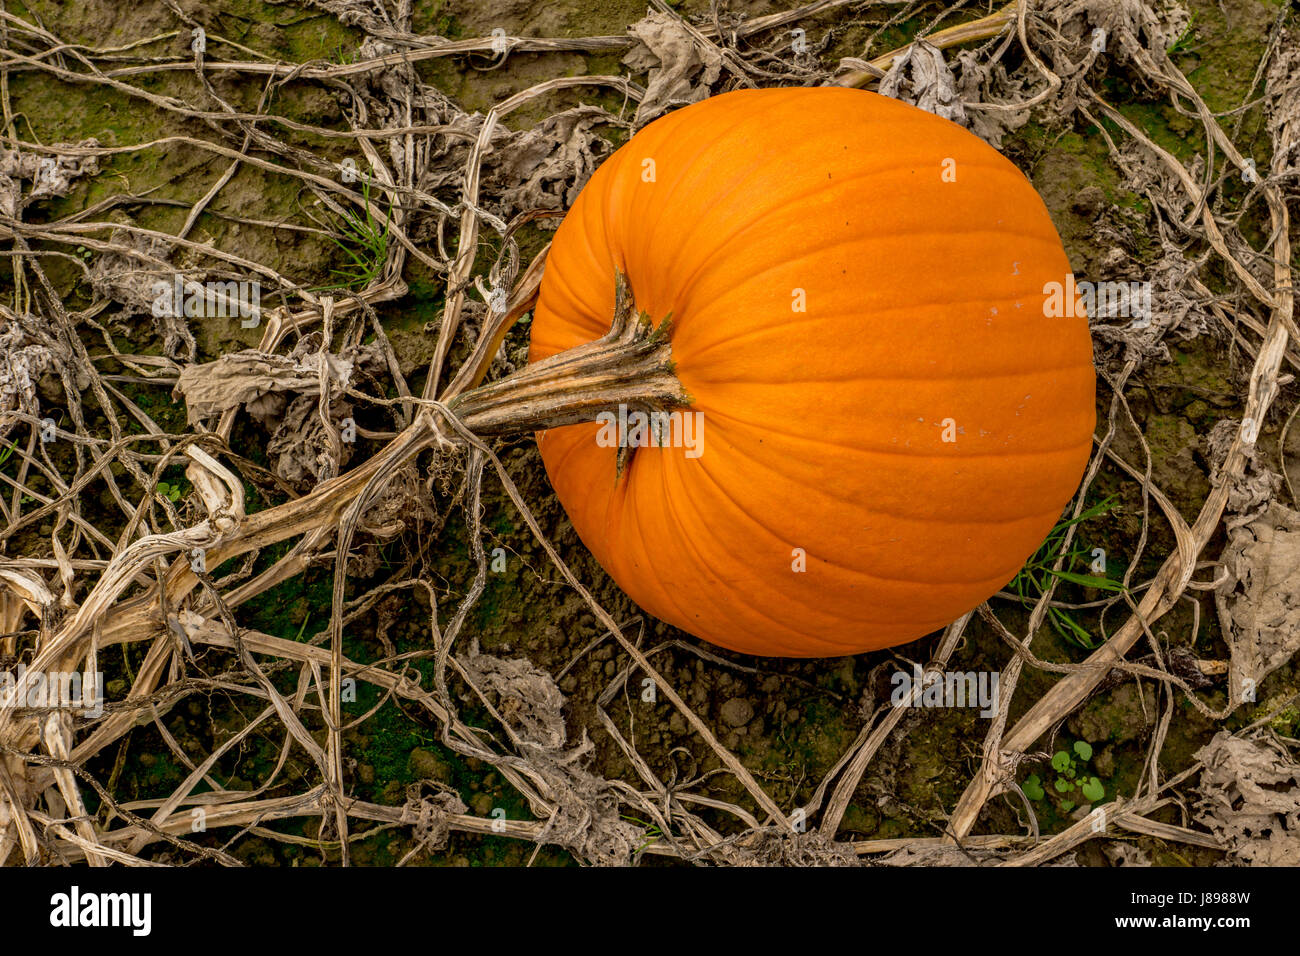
631	365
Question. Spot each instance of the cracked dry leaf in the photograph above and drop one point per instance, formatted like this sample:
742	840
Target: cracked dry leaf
543	167
257	380
1259	604
132	280
586	819
1253	489
527	697
351	13
1125	854
981	82
1173	313
1066	35
1282	103
546	166
778	847
50	176
1133	29
23	360
1249	798
283	394
681	70
301	449
432	829
922	78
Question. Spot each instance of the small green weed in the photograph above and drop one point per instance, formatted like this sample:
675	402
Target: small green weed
1035	577
173	491
364	242
1071	780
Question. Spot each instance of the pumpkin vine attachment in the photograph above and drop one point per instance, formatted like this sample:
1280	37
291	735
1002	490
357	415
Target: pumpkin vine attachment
630	366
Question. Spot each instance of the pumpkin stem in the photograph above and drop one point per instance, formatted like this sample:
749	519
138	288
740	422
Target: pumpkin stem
631	365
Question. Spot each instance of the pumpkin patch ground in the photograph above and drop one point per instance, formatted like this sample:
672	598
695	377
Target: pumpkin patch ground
345	611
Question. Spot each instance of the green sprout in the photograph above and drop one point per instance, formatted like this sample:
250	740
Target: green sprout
364	242
1072	779
1035	577
1181	44
652	832
172	491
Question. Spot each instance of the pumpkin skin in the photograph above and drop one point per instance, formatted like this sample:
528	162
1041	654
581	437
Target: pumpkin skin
823	429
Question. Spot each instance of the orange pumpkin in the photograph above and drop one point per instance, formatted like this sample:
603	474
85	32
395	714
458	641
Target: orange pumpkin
891	421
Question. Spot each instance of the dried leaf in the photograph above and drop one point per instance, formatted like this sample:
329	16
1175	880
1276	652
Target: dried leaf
1259	603
301	448
586	820
539	168
257	380
681	69
1125	854
131	277
1249	797
49	175
921	77
24	358
1282	104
